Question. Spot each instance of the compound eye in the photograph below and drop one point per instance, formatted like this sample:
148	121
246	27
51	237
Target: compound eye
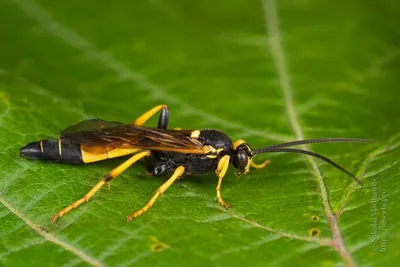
240	160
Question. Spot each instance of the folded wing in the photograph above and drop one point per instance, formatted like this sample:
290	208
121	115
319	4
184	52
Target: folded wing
97	132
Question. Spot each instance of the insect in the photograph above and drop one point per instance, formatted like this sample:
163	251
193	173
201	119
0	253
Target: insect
166	151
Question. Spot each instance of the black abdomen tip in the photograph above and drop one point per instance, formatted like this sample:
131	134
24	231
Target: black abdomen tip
31	151
53	150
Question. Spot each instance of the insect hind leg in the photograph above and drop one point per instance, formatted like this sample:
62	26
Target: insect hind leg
162	121
107	178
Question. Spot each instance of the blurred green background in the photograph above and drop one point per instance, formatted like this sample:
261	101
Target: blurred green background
265	71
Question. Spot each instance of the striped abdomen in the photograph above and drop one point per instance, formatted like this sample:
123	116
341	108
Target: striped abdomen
53	150
66	151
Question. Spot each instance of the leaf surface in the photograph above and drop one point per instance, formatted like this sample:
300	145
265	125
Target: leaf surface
263	71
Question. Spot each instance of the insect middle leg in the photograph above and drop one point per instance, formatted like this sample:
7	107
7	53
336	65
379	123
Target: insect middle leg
162	121
107	178
177	174
222	167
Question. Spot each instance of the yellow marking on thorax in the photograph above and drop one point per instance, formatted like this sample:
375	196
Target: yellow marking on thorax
195	134
210	149
213	156
41	146
98	153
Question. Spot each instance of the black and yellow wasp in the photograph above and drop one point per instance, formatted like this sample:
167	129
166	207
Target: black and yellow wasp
166	151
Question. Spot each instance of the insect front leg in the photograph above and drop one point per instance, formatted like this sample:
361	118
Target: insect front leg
222	167
162	121
261	165
107	178
177	174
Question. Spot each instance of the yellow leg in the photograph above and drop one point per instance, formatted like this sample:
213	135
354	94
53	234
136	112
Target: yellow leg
222	167
107	178
147	115
259	166
177	173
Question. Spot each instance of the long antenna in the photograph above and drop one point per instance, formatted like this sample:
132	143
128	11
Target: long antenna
279	148
322	140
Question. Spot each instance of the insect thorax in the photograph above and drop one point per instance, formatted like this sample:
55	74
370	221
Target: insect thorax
160	163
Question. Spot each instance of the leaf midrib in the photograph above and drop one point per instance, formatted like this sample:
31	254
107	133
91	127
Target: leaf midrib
144	83
278	55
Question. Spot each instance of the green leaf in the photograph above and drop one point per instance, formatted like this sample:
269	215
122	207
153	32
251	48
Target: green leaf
262	71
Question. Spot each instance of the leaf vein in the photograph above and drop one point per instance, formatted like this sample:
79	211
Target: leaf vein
278	55
361	172
49	237
321	242
53	27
